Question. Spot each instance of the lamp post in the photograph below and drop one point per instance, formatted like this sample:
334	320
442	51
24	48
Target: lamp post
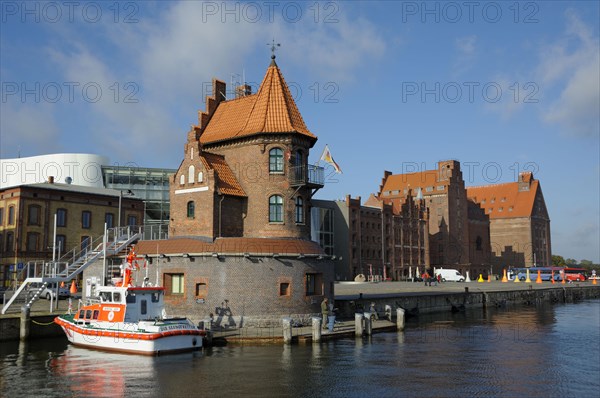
127	193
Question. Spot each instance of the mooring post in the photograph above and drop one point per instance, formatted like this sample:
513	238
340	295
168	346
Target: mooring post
358	324
24	328
287	330
316	329
400	318
368	326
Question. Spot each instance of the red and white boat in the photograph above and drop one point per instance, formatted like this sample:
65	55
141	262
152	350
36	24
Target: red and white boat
131	319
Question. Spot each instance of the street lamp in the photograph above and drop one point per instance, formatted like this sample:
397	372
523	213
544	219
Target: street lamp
127	193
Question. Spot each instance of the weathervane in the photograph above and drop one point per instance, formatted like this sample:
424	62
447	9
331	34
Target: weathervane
273	48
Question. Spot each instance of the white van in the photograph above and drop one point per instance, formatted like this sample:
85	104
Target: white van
449	275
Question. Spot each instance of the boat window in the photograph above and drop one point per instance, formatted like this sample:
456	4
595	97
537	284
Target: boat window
155	297
81	314
144	307
88	314
96	314
105	296
130	298
117	297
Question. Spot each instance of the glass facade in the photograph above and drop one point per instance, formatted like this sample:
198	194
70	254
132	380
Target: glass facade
150	185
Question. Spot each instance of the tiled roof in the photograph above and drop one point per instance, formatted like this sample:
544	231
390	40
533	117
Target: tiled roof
271	110
396	184
505	200
253	246
226	181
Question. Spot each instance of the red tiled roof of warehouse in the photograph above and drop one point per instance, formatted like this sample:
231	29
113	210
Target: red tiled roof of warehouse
271	110
423	179
506	196
226	181
229	245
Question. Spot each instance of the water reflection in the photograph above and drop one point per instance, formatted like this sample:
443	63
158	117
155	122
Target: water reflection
536	351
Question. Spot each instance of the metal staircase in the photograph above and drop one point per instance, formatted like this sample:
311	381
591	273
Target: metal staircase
72	263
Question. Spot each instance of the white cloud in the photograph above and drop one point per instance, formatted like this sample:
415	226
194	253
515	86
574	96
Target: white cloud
572	65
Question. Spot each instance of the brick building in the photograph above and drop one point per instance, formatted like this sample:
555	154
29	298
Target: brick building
458	236
377	240
239	239
27	221
519	222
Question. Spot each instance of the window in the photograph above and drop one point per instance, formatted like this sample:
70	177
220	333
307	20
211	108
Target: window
32	241
174	283
190	209
275	208
440	187
33	215
429	189
1	215
284	289
11	215
202	289
85	242
61	242
313	284
191	173
109	219
132	220
86	219
61	217
276	160
200	176
9	241
299	210
182	180
478	243
1	243
144	309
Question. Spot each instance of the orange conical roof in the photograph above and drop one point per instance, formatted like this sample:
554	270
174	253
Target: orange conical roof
271	110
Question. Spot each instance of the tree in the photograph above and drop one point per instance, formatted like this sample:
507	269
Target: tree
558	261
586	263
570	262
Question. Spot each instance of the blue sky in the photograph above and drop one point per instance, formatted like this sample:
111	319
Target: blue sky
502	87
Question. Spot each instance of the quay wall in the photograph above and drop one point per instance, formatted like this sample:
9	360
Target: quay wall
40	326
423	303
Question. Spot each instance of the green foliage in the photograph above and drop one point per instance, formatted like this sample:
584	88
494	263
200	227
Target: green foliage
558	261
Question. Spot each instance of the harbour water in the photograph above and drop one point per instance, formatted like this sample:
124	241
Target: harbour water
536	351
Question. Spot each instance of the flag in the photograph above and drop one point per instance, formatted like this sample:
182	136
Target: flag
326	157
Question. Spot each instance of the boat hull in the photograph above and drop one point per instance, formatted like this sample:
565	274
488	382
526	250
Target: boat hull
122	340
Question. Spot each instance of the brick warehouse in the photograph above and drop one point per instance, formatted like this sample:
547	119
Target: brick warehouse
239	244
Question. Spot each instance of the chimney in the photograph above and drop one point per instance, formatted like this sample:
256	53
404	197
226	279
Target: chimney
243	90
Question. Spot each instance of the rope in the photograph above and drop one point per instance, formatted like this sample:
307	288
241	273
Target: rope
42	324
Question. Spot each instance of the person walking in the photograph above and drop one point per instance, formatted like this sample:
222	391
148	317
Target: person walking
325	311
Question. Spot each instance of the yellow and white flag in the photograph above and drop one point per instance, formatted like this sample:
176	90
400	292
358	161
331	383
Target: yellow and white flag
326	157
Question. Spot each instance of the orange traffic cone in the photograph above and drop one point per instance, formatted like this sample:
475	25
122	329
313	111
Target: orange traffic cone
504	278
563	279
62	284
539	277
553	277
594	281
489	278
73	289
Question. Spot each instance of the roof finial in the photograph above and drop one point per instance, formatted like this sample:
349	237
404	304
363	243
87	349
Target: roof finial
273	48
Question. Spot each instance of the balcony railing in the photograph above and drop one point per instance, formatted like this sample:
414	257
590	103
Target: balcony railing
307	175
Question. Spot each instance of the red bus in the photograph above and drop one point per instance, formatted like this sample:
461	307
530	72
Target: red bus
575	274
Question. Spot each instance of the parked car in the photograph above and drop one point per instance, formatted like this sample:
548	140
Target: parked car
49	291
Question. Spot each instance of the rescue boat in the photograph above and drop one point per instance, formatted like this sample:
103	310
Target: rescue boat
131	319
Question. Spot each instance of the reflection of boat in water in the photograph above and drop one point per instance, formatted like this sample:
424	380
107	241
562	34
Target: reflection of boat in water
130	319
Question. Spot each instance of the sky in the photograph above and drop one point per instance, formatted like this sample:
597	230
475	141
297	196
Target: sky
501	86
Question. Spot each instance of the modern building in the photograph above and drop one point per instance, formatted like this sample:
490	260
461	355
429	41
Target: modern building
376	240
27	215
151	185
519	222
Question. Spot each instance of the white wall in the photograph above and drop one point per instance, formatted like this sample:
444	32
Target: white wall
84	169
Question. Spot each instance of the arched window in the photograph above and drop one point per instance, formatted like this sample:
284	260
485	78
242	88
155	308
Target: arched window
191	209
200	176
182	180
275	208
276	160
299	210
191	174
